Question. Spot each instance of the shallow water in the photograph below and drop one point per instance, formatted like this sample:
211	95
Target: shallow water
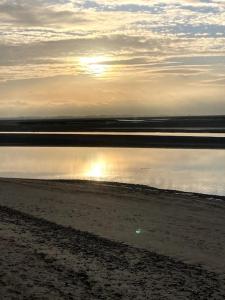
200	134
181	169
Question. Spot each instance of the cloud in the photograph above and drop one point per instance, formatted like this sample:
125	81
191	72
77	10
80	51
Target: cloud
155	50
34	13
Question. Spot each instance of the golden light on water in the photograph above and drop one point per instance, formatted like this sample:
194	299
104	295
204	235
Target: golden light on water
97	170
94	65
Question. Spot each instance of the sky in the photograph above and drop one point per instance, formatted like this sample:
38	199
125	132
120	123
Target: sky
112	57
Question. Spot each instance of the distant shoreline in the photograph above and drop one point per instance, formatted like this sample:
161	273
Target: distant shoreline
112	140
117	124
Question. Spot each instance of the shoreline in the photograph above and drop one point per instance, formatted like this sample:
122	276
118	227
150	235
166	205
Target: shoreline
142	187
117	184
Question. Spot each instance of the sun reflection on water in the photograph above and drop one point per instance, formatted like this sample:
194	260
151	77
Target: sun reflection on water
97	170
200	171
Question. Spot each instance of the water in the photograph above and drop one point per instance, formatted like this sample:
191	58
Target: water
200	171
203	134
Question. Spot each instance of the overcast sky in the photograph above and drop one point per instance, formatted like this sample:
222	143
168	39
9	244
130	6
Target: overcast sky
112	57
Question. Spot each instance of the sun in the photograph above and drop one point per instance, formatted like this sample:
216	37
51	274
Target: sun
94	65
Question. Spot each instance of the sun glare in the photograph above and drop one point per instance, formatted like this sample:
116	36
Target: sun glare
94	65
97	170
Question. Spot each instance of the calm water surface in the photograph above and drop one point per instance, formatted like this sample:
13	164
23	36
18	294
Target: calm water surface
187	170
209	134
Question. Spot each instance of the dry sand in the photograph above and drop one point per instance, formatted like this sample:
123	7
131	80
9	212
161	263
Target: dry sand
93	240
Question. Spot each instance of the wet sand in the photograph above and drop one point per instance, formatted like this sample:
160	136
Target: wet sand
92	240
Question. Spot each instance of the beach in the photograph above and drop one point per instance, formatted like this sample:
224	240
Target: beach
98	240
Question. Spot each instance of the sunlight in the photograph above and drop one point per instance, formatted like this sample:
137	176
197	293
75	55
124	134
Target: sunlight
94	65
96	170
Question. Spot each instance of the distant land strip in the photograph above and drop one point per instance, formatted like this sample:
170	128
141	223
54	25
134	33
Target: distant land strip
104	140
212	124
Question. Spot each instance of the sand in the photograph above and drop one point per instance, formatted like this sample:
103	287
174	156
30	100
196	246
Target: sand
93	240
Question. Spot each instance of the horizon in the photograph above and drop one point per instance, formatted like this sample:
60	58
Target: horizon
26	118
